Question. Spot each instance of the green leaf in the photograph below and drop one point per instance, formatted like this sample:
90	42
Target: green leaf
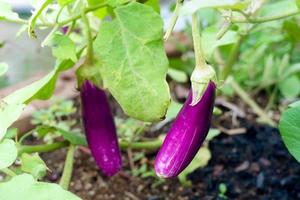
7	13
210	42
115	3
133	61
11	106
178	75
72	137
297	3
64	2
173	110
212	134
201	160
154	4
289	127
295	104
290	87
8	114
26	188
34	165
279	7
194	5
3	68
63	47
100	13
8	153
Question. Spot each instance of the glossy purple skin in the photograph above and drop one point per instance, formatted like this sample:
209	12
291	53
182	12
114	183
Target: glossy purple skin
186	135
100	129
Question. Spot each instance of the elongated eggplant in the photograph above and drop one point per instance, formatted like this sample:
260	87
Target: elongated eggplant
100	129
186	135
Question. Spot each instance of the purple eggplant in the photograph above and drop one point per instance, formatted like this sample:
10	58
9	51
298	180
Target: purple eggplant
186	135
100	129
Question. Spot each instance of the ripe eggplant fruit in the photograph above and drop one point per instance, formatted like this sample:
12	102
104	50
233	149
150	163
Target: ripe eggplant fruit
100	129
186	135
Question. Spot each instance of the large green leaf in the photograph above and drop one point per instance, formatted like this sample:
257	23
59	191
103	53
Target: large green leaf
279	7
133	61
11	106
289	127
26	188
194	5
8	153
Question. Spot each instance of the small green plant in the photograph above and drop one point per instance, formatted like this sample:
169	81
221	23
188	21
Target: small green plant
222	191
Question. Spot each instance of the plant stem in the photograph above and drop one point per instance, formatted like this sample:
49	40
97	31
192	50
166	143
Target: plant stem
147	145
68	168
174	18
264	19
23	137
199	56
42	148
248	100
86	10
8	172
90	52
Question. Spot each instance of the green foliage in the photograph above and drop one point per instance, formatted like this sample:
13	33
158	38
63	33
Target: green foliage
3	68
289	127
56	121
133	61
33	165
63	48
7	13
8	153
29	189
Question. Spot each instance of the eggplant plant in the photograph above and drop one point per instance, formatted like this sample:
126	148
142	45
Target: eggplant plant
116	48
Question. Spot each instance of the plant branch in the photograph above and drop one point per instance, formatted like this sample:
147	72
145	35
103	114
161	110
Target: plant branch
174	18
147	145
264	19
248	100
42	148
68	168
86	10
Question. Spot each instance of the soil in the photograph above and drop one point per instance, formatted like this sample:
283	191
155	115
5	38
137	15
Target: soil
254	165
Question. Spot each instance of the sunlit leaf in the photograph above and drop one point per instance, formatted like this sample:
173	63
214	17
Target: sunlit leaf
133	61
26	188
289	127
8	153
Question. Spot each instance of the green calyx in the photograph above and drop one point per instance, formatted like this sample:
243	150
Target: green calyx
200	79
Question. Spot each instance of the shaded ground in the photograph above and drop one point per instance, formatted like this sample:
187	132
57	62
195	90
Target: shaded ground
255	165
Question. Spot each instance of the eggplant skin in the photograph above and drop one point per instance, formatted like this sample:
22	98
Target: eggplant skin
186	135
100	129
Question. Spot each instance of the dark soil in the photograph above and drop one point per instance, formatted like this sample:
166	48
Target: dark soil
255	165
